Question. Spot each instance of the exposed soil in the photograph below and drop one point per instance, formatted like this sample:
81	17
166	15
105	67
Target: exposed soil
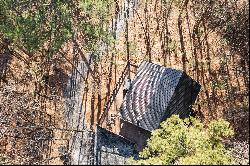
212	58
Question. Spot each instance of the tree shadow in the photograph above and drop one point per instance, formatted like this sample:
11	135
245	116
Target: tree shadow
239	119
5	58
231	21
25	130
58	81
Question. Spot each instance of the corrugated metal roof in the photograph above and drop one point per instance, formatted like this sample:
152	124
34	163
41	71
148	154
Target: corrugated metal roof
156	93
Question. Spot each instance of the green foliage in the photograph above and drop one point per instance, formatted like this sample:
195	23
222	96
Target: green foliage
187	142
172	45
98	9
4	160
31	24
246	102
218	84
47	24
132	48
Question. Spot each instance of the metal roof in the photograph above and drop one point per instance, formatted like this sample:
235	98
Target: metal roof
157	93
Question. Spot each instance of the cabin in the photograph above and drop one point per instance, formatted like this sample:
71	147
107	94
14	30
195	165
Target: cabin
155	94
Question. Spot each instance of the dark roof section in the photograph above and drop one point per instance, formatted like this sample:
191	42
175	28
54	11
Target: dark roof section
113	149
157	93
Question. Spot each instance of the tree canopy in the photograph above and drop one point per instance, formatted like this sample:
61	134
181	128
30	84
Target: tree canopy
47	24
187	142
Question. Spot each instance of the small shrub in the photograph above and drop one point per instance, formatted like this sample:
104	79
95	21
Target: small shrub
187	142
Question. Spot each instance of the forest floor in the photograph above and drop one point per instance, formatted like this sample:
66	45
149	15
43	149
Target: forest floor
210	58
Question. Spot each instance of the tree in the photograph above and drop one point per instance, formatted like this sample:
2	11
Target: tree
47	24
187	142
37	30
